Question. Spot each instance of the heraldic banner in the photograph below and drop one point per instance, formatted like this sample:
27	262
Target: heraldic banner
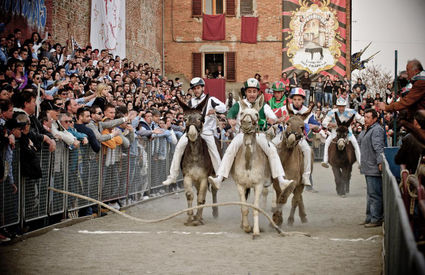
316	36
107	30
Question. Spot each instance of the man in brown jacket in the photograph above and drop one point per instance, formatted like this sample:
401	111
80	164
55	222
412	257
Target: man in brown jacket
415	99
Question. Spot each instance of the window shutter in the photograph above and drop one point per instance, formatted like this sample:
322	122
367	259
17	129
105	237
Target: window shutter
246	7
196	8
196	65
231	66
230	8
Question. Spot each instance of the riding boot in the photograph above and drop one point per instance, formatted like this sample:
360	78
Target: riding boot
215	182
284	183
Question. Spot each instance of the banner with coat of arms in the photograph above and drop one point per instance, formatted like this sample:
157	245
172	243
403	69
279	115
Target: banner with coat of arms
107	30
315	36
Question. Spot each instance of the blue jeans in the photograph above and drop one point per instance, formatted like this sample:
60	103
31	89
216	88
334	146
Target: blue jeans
319	97
374	207
328	99
307	97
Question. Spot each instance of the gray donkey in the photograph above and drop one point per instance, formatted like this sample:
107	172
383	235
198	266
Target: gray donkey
196	163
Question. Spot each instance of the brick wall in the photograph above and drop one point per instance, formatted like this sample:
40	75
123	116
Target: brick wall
183	36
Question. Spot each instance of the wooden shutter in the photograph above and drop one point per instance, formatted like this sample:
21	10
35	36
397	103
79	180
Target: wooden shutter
196	65
196	8
246	7
230	8
231	66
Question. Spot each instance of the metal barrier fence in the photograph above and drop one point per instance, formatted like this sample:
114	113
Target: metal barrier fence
401	255
126	174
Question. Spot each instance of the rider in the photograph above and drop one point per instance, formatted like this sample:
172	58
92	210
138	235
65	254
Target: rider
278	100
297	96
252	90
344	114
213	105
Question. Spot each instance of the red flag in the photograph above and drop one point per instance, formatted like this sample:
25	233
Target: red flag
213	27
249	30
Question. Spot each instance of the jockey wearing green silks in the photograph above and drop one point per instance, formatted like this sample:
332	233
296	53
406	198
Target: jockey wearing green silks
252	90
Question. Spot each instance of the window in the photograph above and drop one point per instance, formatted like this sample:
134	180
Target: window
246	7
213	7
214	65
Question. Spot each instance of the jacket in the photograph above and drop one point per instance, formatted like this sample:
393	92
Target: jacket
371	143
414	100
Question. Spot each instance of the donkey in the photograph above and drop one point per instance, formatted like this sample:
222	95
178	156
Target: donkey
251	166
196	163
292	160
342	157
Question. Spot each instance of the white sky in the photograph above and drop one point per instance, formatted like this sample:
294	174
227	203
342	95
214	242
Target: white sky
390	25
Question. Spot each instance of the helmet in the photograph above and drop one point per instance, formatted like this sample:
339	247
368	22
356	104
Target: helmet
278	86
297	91
252	83
197	81
341	101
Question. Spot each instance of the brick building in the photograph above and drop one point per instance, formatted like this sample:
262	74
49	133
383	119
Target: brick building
186	53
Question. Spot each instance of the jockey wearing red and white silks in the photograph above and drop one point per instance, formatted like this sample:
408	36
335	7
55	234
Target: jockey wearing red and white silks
252	87
344	114
298	96
208	128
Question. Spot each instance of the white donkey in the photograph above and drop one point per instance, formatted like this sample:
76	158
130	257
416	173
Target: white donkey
251	166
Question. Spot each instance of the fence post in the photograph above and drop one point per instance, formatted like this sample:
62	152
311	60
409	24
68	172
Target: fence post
99	187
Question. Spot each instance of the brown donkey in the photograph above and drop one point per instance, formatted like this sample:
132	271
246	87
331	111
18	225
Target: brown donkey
292	160
342	157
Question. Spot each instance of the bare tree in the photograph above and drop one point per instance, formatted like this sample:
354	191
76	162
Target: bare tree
374	77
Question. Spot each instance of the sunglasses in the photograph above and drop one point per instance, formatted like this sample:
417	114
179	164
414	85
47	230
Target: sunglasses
99	113
37	78
67	121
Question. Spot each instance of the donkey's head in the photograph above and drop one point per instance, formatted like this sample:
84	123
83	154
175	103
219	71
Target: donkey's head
194	118
342	132
194	123
294	131
249	116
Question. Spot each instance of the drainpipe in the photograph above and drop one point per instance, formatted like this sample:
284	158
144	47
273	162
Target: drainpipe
163	50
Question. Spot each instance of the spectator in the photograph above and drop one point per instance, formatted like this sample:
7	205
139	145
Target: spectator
305	82
83	118
328	88
372	142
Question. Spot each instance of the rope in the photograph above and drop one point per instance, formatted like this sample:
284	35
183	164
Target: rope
280	231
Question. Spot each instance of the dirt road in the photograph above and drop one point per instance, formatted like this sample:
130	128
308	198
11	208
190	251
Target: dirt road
115	245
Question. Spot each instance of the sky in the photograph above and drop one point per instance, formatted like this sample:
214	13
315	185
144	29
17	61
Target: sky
390	25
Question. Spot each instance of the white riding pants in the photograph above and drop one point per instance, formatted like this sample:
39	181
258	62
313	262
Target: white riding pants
306	149
351	138
268	148
181	146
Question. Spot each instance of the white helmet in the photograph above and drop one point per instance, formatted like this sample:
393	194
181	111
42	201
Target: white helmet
341	101
252	83
197	81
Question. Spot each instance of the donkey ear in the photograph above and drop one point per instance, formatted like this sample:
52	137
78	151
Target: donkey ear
289	108
307	114
348	123
259	102
338	122
243	105
201	105
183	104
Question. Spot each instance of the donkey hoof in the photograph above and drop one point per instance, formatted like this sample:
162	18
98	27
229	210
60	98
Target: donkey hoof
255	236
215	212
247	229
290	222
304	220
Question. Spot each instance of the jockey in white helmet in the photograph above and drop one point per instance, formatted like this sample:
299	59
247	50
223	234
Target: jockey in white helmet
298	96
252	90
210	124
329	122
